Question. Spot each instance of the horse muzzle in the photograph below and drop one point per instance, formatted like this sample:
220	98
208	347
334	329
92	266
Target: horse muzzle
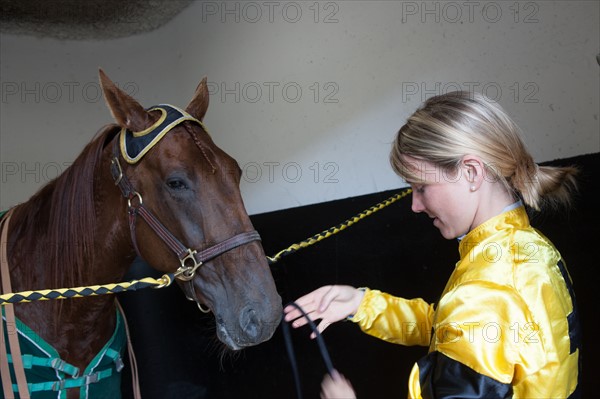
250	327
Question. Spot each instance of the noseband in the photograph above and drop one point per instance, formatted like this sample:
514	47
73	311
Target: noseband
190	260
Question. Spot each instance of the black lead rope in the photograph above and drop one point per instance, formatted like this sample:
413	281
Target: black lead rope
290	348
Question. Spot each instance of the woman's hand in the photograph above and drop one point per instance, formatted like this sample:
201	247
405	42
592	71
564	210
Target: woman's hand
336	386
330	303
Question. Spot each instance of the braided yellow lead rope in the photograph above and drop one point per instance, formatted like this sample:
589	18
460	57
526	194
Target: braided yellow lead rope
336	229
167	279
92	290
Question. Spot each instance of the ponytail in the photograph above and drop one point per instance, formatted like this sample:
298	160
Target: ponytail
543	186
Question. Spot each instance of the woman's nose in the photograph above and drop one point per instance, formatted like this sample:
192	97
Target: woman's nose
417	204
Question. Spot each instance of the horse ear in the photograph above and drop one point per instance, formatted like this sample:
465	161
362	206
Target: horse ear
199	104
128	113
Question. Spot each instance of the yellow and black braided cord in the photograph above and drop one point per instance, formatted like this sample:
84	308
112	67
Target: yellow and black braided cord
336	229
92	290
167	279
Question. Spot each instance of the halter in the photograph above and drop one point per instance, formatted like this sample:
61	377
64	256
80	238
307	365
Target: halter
132	146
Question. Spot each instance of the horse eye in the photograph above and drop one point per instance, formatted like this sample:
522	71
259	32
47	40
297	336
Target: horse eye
177	184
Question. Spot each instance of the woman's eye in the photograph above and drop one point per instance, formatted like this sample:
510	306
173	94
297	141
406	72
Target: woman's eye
177	184
419	189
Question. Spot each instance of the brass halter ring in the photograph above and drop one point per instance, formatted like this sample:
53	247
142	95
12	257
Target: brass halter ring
203	310
133	195
186	273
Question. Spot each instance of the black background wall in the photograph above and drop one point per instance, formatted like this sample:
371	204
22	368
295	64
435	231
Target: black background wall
394	250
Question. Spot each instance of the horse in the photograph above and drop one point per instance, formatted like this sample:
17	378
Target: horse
83	228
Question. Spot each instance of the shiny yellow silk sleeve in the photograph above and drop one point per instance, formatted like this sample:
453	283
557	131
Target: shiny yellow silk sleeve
397	320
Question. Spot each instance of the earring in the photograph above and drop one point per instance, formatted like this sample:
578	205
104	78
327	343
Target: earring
473	188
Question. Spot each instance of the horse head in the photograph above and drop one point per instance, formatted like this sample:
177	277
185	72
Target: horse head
191	188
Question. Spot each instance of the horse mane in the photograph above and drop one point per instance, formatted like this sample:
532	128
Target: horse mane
61	219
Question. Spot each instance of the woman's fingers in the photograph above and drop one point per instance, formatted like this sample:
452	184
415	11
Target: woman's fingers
309	303
292	313
336	386
320	328
330	303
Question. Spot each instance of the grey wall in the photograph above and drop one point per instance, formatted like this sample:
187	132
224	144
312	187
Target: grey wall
307	96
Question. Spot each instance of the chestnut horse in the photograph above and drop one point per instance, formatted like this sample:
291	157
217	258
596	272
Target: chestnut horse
81	229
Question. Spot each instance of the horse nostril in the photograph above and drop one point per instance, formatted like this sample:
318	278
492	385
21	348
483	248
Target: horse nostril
250	323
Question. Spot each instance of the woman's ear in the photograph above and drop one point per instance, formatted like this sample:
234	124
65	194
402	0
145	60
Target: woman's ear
474	170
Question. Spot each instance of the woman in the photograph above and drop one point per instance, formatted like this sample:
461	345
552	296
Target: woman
506	324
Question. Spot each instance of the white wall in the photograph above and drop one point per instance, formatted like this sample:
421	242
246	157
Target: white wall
370	63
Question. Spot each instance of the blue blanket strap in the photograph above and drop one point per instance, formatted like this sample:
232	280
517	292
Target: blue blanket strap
116	357
30	361
68	383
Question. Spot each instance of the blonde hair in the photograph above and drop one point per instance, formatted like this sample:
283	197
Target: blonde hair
445	128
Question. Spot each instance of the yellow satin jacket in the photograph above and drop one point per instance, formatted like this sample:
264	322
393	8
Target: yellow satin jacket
506	325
